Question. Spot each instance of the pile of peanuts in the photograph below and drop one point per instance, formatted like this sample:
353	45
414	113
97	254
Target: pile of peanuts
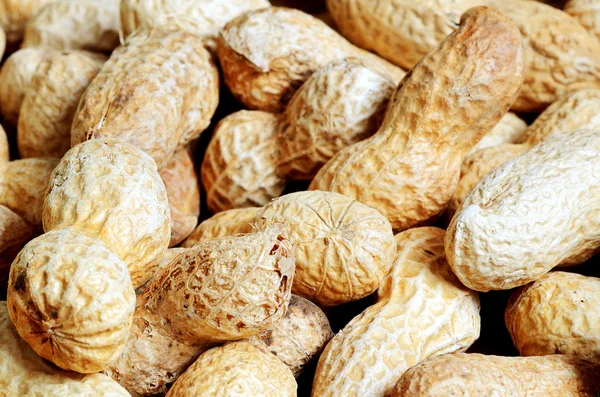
292	198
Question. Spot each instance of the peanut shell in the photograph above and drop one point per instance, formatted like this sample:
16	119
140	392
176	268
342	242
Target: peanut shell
587	13
4	147
14	15
509	129
14	234
226	223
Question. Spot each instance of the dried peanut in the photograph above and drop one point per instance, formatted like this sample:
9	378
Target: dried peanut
587	13
509	129
200	17
253	154
409	169
183	191
298	337
226	223
236	370
91	25
15	76
71	300
165	259
469	375
422	311
556	314
225	289
23	184
24	373
14	234
529	215
14	15
266	55
168	75
112	190
4	147
50	101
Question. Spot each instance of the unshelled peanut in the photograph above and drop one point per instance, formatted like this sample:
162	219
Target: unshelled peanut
509	129
422	311
4	146
226	223
14	234
587	12
14	15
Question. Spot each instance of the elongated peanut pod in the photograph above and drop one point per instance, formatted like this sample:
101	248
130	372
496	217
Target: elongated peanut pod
422	311
409	169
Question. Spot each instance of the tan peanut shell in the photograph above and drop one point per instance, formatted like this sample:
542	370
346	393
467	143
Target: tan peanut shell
91	25
50	101
165	259
23	185
236	370
200	17
556	314
470	375
339	105
15	76
509	129
14	15
587	13
112	191
422	311
226	223
409	169
572	112
266	55
225	289
298	337
71	299
24	373
529	215
14	234
183	192
168	75
4	146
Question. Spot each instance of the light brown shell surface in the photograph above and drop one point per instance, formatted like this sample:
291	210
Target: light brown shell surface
164	261
299	337
112	190
168	75
409	169
91	25
23	185
226	223
15	76
422	311
14	234
267	55
470	375
24	373
50	101
183	192
529	215
509	129
225	289
556	314
344	249
236	370
587	13
4	146
71	299
200	17
14	15
339	105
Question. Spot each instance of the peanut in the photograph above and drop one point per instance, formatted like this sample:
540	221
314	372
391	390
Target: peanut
183	192
4	147
556	314
15	76
165	259
409	169
23	184
509	129
225	289
298	337
587	13
479	375
14	234
267	54
252	155
112	190
226	223
236	370
91	25
168	75
200	17
529	215
24	373
71	300
422	311
14	15
50	101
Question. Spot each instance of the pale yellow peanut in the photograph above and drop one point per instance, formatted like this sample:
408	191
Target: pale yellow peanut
14	15
165	259
14	234
253	154
71	299
422	311
409	169
225	223
266	55
587	12
236	370
509	129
